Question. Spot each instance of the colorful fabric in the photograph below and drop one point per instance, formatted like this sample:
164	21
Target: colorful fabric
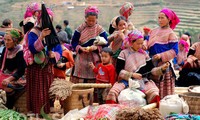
147	29
91	9
105	73
114	93
84	36
163	42
185	45
14	56
125	9
171	15
182	117
15	34
196	48
134	35
34	6
38	84
66	58
116	43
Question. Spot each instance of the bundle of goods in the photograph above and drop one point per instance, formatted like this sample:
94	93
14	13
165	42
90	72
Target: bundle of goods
173	103
139	114
74	95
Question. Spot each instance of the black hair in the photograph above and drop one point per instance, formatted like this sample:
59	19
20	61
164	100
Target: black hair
91	14
66	22
6	22
120	18
107	50
58	27
187	33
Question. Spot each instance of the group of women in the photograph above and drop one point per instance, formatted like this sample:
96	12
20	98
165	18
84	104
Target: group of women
128	46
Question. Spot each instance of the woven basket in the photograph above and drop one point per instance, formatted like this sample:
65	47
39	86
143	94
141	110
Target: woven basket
193	101
20	103
80	98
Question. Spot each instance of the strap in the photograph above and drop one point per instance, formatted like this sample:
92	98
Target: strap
4	59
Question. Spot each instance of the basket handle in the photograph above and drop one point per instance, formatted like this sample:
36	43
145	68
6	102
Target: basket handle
89	97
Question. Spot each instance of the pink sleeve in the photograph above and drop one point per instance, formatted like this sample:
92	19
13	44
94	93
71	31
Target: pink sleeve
168	55
38	45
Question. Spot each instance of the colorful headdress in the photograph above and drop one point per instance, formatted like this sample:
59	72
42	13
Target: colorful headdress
125	9
171	16
134	35
185	45
15	34
31	9
91	9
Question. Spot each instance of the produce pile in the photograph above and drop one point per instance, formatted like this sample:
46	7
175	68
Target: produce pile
11	115
139	114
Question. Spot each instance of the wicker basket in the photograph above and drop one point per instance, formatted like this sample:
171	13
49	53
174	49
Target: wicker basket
80	98
20	103
193	101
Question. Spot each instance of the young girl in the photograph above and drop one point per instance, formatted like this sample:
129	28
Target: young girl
180	59
117	38
82	42
125	11
128	62
105	71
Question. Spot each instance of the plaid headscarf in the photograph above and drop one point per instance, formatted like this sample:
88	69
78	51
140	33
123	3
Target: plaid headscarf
134	35
125	9
91	9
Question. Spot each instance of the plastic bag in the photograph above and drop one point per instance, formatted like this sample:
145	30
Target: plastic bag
132	98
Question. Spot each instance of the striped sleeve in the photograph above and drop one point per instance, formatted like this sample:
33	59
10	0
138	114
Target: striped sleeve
34	43
173	48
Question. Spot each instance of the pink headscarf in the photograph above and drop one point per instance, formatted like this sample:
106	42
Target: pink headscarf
50	12
92	9
185	45
31	9
171	16
125	9
134	35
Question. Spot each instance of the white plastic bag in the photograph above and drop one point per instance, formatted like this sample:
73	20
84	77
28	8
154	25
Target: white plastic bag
132	98
173	103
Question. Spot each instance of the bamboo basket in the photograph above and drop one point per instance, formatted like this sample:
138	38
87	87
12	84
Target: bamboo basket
21	104
80	98
179	90
193	101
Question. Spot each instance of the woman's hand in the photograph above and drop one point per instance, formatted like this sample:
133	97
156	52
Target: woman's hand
92	48
137	76
45	32
165	66
157	57
51	54
84	49
6	81
60	65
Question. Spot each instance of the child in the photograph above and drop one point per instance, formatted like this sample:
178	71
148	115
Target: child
128	62
180	59
105	71
66	61
186	38
117	37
